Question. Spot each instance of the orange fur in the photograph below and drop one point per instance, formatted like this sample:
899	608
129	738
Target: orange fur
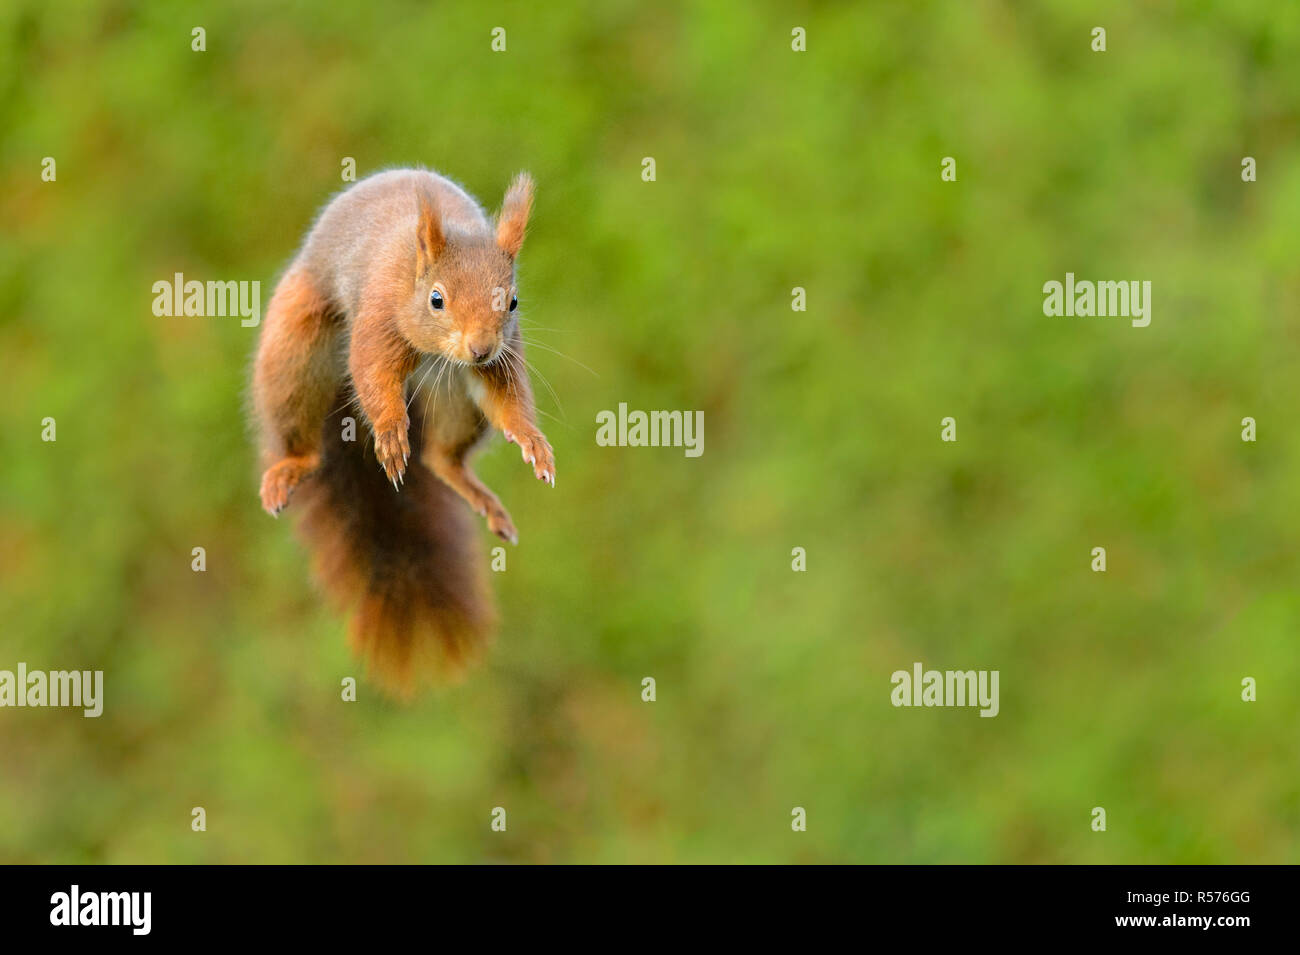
407	566
351	323
513	220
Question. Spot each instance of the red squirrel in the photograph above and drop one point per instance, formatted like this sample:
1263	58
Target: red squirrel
401	303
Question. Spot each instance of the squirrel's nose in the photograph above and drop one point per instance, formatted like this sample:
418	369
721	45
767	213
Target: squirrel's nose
481	350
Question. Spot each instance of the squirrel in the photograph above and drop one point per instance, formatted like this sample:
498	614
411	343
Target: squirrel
401	302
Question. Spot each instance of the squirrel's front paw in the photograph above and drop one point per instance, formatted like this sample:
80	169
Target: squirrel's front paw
537	452
393	447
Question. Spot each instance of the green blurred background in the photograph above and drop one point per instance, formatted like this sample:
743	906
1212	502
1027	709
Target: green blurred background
776	169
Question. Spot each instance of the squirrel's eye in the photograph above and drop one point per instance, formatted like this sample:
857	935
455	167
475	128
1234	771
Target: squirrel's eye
436	299
514	302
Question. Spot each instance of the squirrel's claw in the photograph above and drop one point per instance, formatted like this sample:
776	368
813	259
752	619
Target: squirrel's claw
535	452
280	480
393	450
499	523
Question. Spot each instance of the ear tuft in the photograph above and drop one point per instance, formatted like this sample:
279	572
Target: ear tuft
428	233
513	220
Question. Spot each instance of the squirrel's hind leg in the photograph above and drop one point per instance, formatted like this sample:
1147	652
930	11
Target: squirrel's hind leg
449	435
295	377
450	466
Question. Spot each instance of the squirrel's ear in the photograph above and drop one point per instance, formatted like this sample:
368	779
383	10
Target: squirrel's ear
429	237
513	219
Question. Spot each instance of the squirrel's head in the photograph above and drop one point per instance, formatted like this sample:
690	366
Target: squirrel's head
465	297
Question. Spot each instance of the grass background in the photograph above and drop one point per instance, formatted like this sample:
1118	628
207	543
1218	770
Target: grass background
775	169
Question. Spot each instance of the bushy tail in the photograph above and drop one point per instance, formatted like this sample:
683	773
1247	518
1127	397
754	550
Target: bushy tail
406	564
